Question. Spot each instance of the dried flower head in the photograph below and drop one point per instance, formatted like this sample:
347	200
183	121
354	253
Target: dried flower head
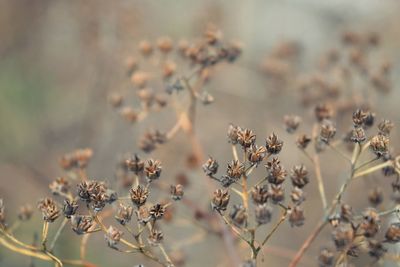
260	194
238	215
346	213
327	131
115	100
157	211
81	224
303	141
210	167
145	47
153	169
139	195
325	258
124	214
256	154
299	175
277	193
143	215
49	209
358	135
263	213
359	117
246	138
94	192
233	131
155	237
370	223
379	144
25	212
292	122
69	208
343	235
220	200
235	169
177	192
296	216
273	144
164	44
297	196
393	233
385	127
59	186
375	196
113	236
323	112
376	249
135	164
276	173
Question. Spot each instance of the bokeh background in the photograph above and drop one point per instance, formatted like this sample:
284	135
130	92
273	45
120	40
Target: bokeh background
60	59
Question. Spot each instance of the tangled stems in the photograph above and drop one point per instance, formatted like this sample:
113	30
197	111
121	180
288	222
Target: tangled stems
358	150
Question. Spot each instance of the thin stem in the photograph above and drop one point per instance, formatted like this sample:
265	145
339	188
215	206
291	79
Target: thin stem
276	226
164	252
334	148
307	243
234	153
366	163
320	181
45	232
57	235
234	229
373	169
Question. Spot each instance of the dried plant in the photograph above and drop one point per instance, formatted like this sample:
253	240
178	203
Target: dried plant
242	203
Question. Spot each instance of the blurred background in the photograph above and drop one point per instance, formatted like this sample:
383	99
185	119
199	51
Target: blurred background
59	60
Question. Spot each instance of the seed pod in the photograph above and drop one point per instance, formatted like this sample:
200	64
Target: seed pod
59	186
358	135
143	215
69	208
379	144
260	194
113	236
370	223
327	131
238	215
256	154
220	200
343	235
292	122
393	233
263	213
277	193
296	217
124	214
210	167
233	131
385	127
303	141
49	210
246	138
139	195
145	48
81	224
235	169
299	175
323	112
273	144
25	212
375	196
359	117
297	196
157	211
177	192
155	237
325	258
376	249
153	169
135	164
